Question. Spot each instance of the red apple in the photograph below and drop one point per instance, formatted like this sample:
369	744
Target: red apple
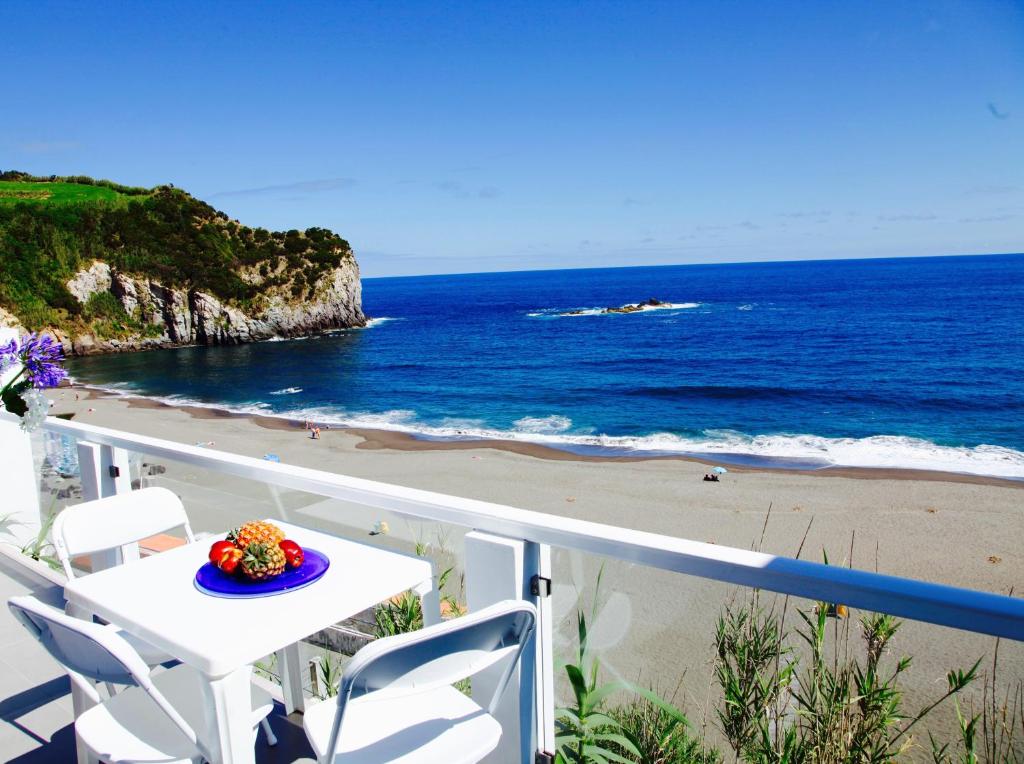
229	562
218	549
292	553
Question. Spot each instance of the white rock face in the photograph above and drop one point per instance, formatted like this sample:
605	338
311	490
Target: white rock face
10	321
187	317
87	283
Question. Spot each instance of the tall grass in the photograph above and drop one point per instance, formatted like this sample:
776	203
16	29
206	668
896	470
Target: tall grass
828	690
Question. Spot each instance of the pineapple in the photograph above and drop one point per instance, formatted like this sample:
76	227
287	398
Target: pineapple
263	561
256	532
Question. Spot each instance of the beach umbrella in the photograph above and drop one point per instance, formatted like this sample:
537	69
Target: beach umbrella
720	470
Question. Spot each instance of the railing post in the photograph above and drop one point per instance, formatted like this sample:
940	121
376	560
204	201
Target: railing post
104	471
495	571
538	563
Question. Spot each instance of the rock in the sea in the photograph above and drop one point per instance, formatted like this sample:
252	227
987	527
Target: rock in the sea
651	303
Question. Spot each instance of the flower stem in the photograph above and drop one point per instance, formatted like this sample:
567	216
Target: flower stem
10	384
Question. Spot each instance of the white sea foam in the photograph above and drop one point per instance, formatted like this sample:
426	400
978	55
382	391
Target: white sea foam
372	322
807	451
745	307
287	391
880	451
559	313
543	425
117	387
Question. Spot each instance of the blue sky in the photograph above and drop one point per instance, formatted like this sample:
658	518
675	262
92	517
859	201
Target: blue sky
443	137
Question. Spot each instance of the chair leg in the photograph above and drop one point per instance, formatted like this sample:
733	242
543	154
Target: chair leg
271	737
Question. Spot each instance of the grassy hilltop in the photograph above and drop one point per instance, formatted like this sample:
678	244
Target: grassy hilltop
53	227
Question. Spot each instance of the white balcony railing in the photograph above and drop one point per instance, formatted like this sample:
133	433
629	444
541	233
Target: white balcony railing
963	609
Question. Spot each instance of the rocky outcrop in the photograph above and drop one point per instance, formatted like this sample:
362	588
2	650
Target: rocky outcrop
638	307
10	321
169	316
651	304
96	278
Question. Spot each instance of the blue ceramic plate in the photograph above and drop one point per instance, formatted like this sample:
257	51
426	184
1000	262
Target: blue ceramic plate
213	581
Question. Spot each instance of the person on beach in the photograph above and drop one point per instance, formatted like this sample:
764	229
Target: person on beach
315	435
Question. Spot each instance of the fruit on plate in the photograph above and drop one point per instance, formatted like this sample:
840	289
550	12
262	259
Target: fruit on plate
256	532
225	556
230	560
218	549
263	561
292	553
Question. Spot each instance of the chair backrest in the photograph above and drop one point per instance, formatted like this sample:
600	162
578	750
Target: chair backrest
439	655
88	650
117	523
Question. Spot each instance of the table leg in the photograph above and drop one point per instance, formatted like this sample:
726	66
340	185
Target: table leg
228	700
290	663
430	601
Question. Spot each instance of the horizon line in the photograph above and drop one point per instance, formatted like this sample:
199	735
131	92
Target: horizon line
683	265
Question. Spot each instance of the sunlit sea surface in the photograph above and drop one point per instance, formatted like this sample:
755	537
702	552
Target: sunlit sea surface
912	363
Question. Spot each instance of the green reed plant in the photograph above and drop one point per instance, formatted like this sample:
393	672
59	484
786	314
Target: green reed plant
328	671
996	732
584	731
827	704
40	548
660	732
399	615
749	643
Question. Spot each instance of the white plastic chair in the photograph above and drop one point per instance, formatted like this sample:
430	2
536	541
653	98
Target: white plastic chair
115	525
158	718
396	701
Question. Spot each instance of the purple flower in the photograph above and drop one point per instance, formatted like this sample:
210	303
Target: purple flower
42	357
8	355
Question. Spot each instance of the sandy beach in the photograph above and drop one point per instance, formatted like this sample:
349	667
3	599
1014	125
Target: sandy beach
952	529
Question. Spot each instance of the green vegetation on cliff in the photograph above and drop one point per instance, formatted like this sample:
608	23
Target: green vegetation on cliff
51	228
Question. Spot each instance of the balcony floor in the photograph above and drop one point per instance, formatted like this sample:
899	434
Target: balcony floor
36	721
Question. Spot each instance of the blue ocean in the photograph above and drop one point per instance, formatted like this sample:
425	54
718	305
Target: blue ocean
910	363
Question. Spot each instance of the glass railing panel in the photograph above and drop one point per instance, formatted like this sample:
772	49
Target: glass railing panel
740	664
55	458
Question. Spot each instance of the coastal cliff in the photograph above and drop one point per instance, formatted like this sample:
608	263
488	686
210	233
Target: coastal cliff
172	316
110	268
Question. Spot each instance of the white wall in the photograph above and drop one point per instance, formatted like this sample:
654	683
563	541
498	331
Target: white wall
19	493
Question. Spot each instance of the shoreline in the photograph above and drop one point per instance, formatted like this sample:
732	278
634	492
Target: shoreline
395	440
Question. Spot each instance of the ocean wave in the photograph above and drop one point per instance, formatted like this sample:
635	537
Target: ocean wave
278	338
782	450
372	322
287	391
560	313
802	451
254	408
543	425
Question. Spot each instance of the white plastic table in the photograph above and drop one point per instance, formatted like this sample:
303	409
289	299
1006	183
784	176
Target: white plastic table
156	599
